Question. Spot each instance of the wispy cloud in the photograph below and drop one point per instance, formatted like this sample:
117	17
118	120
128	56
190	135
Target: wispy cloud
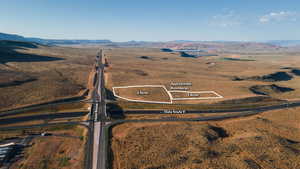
278	17
226	19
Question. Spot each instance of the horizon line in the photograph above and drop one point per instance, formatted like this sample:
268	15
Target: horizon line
153	41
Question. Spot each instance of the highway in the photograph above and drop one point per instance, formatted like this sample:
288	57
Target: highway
42	125
12	120
98	117
17	111
97	143
98	123
260	108
96	153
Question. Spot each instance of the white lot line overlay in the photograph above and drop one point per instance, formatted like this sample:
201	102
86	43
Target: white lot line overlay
218	96
143	101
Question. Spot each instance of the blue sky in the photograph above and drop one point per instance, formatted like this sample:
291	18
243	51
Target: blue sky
153	20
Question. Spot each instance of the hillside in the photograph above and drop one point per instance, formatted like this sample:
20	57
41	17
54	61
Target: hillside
4	36
33	73
13	37
208	46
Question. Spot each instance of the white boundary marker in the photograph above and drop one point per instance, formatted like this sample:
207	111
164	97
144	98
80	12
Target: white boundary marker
161	86
218	96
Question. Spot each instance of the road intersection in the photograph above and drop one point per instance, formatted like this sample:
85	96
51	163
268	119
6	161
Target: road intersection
99	122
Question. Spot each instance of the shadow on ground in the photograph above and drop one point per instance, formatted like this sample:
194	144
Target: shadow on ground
115	111
109	95
8	53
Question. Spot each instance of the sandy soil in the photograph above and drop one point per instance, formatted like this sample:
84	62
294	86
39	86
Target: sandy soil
55	151
269	140
128	67
43	74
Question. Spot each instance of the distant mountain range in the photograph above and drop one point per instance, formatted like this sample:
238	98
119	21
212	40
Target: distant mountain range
281	43
285	43
278	43
4	36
